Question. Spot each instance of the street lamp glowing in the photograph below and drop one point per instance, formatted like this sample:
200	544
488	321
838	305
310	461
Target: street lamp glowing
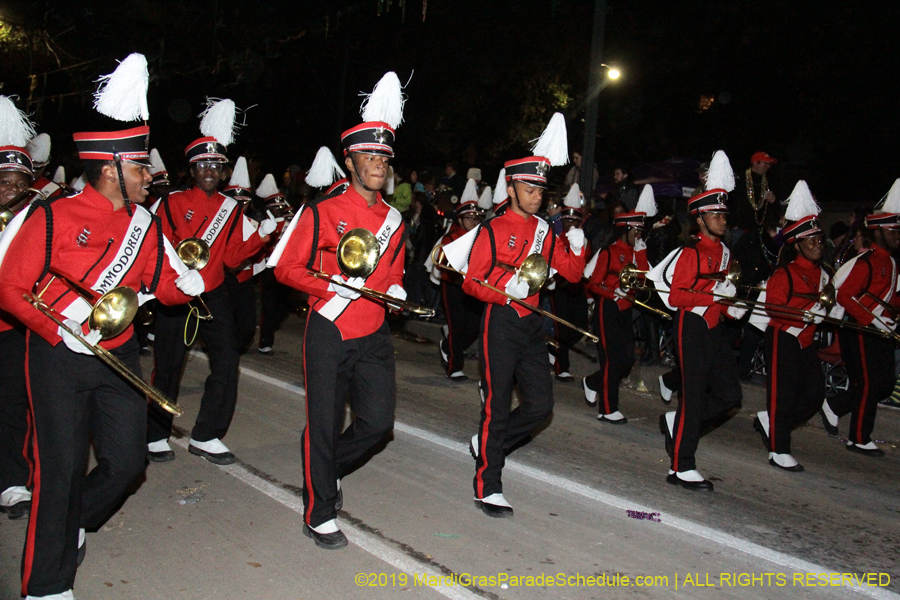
613	73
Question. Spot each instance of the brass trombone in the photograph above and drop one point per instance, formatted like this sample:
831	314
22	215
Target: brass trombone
194	253
890	333
358	254
6	213
534	270
111	315
628	280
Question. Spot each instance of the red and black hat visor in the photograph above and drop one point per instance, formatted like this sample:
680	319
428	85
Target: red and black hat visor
532	170
131	145
206	149
886	220
15	158
805	227
375	137
709	201
631	219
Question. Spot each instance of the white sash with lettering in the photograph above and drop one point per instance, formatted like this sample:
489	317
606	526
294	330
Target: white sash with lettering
336	306
540	235
218	223
114	271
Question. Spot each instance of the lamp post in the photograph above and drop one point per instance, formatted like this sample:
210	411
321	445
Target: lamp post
595	84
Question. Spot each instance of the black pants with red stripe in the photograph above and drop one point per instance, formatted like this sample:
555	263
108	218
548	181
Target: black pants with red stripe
795	386
14	469
463	314
514	351
76	399
870	365
360	371
220	391
567	302
615	351
709	383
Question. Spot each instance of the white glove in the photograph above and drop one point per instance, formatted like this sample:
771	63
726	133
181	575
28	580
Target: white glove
92	337
725	288
736	312
576	240
266	227
640	244
397	292
517	288
816	312
619	292
343	292
884	323
191	283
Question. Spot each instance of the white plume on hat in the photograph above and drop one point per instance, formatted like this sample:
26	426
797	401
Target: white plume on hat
15	128
573	198
38	148
218	120
78	183
800	203
385	103
470	193
240	177
892	203
485	201
122	94
647	202
59	177
500	190
554	142
324	170
156	162
720	175
268	187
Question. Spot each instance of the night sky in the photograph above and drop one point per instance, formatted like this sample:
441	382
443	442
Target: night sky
809	82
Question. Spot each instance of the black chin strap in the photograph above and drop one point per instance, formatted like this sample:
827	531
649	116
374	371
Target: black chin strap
355	170
118	160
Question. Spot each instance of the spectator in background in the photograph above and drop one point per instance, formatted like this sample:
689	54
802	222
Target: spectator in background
423	227
624	191
574	174
402	197
452	180
838	238
417	186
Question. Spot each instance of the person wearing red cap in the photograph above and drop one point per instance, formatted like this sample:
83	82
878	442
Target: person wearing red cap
752	199
866	289
103	239
613	322
348	355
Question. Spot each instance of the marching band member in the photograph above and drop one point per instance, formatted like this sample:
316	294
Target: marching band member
348	355
794	380
710	387
866	287
514	347
239	280
568	300
613	320
274	296
102	238
204	212
16	176
463	312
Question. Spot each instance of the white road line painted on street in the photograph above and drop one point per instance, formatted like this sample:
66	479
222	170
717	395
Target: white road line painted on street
273	381
365	541
383	551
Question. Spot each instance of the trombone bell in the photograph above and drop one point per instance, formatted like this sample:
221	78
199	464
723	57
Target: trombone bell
358	253
193	252
534	271
629	277
114	312
5	217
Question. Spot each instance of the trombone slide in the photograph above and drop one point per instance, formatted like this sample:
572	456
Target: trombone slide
376	295
111	361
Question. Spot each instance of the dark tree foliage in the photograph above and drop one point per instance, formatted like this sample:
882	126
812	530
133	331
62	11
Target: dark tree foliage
809	82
